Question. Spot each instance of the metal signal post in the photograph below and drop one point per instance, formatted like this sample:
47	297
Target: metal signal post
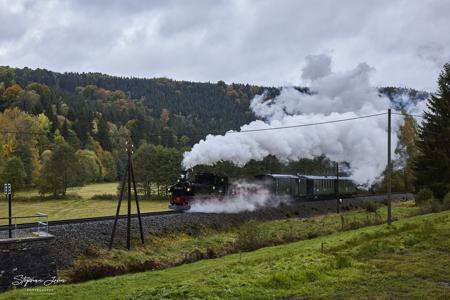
8	192
128	178
389	172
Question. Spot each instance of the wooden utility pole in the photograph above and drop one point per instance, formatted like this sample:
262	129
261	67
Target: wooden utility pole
128	178
137	202
389	172
129	201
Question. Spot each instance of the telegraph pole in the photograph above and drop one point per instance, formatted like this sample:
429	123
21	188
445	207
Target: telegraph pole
137	202
389	172
128	178
122	187
129	200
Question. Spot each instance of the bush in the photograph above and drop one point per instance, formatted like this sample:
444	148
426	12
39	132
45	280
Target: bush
446	201
92	251
193	256
90	270
370	206
85	271
250	237
436	205
423	196
48	197
104	197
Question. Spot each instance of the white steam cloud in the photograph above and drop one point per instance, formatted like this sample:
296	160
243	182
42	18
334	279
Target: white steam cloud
245	197
332	96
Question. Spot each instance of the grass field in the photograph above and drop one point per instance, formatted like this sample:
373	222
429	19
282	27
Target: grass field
408	260
85	192
168	250
77	204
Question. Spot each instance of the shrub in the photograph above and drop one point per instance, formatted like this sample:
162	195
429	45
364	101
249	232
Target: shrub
446	201
370	206
47	197
436	205
92	251
312	235
423	196
85	271
289	235
193	256
144	266
210	253
104	197
90	270
250	237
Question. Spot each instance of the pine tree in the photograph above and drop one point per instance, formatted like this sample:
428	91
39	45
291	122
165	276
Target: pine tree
433	162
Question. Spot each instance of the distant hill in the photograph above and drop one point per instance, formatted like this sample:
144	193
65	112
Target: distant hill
157	106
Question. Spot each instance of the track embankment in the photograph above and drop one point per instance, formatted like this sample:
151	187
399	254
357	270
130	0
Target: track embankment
73	237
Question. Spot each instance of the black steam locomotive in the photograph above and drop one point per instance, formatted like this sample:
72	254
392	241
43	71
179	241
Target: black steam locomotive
300	187
203	186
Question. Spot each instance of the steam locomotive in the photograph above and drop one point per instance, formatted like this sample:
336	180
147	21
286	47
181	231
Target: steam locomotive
205	186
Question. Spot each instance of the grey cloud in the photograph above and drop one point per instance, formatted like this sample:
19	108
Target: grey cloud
317	66
434	53
262	42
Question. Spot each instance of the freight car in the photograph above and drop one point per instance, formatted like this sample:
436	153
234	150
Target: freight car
206	186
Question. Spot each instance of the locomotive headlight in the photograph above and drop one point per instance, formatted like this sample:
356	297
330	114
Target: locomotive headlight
214	187
188	189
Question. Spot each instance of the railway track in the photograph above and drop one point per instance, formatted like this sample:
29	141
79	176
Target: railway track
92	219
375	197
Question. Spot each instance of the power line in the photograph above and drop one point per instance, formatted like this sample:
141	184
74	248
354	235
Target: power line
309	124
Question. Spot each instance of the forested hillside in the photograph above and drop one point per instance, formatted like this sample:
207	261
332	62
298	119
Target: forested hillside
66	129
187	108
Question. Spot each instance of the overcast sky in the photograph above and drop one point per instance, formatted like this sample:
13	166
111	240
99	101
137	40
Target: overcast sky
262	42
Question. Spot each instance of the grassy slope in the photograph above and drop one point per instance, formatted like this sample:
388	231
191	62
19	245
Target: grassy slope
173	249
410	259
76	208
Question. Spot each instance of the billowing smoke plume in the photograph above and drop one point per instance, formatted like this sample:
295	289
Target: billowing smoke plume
245	197
332	96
